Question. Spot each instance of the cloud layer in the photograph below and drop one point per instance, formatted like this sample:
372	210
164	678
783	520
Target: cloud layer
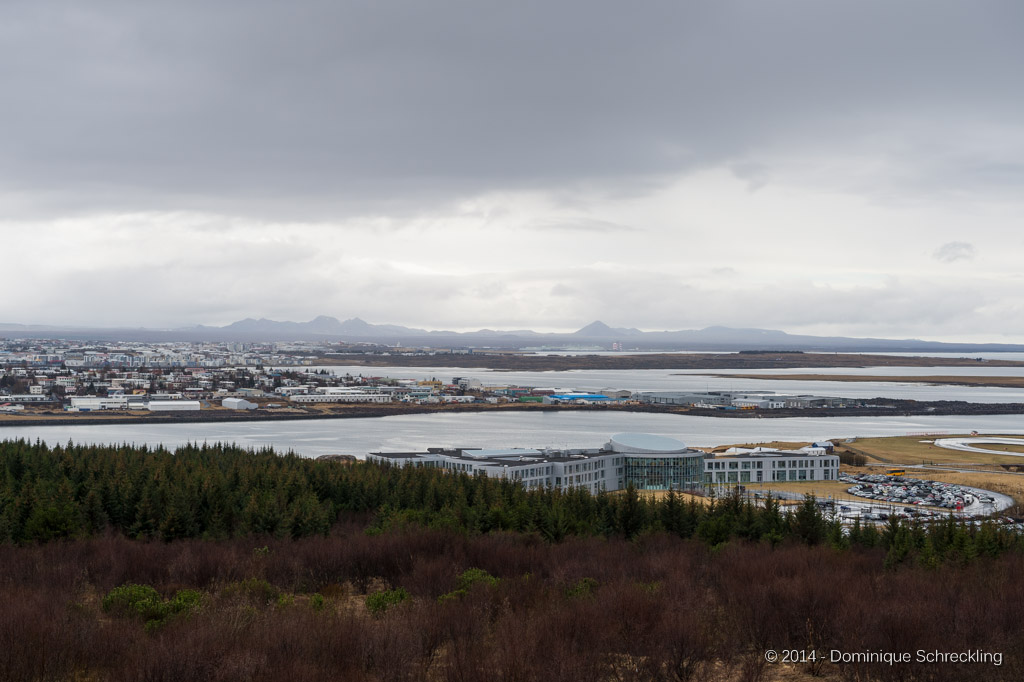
801	165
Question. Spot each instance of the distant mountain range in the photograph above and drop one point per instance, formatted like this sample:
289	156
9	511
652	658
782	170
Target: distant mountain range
596	334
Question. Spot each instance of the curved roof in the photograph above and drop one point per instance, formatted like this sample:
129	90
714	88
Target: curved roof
646	442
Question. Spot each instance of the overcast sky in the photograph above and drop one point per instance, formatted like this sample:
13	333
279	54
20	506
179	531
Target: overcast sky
850	168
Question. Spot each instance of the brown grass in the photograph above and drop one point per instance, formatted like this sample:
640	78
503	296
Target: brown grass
907	450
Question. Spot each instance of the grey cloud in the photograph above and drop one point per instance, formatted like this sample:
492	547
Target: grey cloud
755	174
563	290
199	292
581	225
950	252
321	108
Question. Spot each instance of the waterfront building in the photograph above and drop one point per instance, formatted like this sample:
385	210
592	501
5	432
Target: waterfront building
173	405
238	404
766	465
646	461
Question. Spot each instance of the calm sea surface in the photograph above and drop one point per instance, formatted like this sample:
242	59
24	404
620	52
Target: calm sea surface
589	429
579	429
699	380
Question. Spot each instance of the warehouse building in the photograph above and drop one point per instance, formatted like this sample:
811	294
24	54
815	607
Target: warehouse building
173	405
88	404
238	404
764	400
353	397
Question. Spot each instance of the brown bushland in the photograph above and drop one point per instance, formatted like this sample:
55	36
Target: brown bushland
654	608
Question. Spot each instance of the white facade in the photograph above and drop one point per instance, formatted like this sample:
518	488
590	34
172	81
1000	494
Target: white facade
311	398
764	465
86	403
173	405
238	404
457	398
646	461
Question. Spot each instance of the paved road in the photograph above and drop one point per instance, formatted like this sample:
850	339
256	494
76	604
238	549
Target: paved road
964	444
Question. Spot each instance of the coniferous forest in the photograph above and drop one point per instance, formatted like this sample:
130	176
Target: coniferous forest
217	563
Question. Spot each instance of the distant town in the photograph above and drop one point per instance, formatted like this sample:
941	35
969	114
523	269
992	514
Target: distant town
58	378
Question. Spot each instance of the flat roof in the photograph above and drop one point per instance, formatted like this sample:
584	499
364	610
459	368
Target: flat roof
646	442
501	453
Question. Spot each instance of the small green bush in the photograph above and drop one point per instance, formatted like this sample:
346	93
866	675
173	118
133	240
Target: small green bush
583	589
144	602
253	589
379	602
469	578
451	596
184	601
317	601
474	576
134	600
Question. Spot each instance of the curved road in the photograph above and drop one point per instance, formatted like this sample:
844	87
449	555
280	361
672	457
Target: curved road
964	444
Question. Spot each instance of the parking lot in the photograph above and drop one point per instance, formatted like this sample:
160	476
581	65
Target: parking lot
918	498
874	498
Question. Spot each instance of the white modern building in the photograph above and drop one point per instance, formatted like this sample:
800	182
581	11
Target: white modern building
646	461
765	465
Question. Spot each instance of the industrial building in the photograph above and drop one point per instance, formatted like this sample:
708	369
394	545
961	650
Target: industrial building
577	399
88	404
340	397
238	404
25	398
173	405
765	400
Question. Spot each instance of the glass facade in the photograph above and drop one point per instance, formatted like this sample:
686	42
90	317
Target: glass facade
664	473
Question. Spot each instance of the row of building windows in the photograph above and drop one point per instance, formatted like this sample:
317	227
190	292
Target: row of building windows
651	473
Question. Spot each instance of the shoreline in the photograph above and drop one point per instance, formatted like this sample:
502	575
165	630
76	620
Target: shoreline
931	380
662	361
895	408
